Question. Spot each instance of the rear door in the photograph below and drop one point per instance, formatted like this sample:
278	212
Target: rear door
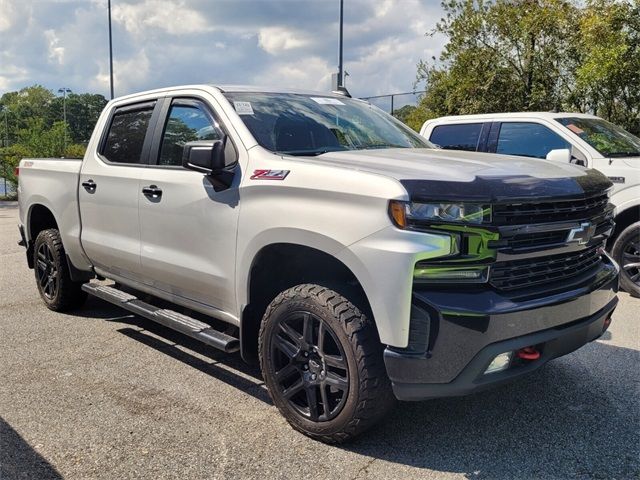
469	136
188	226
108	190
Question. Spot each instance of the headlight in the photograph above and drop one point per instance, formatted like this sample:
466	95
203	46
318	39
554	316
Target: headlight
406	213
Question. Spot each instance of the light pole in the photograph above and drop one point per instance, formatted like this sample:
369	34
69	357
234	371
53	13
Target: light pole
110	51
64	91
6	144
6	126
340	69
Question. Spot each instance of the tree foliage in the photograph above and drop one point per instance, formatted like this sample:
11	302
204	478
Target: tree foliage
527	55
31	125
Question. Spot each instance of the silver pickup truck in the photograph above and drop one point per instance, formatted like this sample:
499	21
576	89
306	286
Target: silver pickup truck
326	240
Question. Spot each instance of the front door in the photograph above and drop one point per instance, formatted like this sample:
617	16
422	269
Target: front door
187	222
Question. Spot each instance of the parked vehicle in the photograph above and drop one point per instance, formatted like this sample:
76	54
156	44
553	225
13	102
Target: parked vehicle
566	138
323	238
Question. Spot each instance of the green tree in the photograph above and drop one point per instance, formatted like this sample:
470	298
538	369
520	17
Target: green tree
608	77
525	55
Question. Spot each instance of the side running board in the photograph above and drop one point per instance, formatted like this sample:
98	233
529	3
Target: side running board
174	320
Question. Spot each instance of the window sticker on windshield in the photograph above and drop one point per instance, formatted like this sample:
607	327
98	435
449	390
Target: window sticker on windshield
574	129
327	101
243	108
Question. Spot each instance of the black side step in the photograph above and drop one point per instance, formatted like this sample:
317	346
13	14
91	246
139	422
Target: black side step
174	320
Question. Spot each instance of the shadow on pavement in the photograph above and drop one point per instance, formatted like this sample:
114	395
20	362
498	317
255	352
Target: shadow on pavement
228	368
18	460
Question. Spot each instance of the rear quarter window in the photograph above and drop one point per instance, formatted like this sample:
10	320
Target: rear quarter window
462	136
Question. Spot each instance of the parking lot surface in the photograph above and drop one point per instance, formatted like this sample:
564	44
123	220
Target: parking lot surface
103	394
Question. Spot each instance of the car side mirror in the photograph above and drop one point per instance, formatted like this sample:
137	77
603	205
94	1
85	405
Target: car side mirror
562	155
204	156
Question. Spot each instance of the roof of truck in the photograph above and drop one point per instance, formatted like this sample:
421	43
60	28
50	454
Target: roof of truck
233	88
494	116
264	89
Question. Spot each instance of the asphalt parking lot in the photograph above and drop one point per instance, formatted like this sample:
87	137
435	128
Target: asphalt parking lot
103	394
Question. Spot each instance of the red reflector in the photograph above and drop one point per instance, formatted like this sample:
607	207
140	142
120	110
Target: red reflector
528	353
607	322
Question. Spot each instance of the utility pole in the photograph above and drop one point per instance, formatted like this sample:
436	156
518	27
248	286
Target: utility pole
110	51
6	144
64	91
340	66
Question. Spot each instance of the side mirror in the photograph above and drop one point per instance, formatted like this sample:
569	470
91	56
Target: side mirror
204	156
562	155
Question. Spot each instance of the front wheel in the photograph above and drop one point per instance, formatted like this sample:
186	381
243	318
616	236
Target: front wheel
322	362
56	288
626	251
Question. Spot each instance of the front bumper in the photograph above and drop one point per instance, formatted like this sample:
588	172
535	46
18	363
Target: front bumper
462	332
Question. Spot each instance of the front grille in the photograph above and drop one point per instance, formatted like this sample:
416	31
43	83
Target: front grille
547	212
532	240
543	270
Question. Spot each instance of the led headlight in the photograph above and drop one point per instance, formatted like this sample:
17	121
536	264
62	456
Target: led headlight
404	213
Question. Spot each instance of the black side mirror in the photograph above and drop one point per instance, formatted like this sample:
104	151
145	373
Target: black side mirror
204	156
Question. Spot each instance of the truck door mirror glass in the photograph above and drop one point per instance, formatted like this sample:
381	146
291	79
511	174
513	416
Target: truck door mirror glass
205	156
562	155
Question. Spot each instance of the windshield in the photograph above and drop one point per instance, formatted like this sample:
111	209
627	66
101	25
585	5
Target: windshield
297	124
607	138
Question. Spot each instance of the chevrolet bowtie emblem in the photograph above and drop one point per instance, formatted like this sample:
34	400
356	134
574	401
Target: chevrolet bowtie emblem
581	234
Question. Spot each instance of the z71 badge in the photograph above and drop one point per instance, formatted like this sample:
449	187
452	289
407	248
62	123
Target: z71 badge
269	174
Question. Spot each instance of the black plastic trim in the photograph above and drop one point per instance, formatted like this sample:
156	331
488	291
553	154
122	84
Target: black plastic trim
552	343
509	189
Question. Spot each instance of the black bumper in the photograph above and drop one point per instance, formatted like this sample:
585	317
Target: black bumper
464	331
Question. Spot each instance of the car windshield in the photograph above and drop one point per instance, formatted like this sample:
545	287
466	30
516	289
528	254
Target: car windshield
296	124
607	138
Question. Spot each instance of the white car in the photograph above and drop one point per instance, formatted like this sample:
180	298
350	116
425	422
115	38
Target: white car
578	138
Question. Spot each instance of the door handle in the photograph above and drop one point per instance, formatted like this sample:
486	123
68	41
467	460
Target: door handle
152	191
90	186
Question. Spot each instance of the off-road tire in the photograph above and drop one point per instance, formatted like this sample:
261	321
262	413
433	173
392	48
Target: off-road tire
625	248
369	395
67	294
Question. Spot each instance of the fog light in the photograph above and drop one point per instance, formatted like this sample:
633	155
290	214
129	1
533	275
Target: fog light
501	362
450	274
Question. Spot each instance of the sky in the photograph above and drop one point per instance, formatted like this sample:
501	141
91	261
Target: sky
156	43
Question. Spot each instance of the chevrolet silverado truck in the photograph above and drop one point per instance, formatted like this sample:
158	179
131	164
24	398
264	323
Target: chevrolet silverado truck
327	241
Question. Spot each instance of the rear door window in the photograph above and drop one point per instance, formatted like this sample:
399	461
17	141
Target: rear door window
461	136
127	133
528	139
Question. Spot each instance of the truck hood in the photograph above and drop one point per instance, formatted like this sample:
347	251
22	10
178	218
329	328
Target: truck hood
447	174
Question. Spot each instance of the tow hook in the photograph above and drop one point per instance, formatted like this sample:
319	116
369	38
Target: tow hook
528	353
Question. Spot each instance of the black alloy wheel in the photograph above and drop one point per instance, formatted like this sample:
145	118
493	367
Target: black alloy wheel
322	362
47	271
310	367
58	291
626	251
631	260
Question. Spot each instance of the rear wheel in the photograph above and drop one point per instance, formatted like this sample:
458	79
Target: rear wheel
626	251
322	362
56	288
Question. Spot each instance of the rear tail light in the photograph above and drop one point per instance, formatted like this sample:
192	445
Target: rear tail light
17	171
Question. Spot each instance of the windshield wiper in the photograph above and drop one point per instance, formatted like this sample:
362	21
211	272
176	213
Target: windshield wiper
383	145
309	153
624	154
